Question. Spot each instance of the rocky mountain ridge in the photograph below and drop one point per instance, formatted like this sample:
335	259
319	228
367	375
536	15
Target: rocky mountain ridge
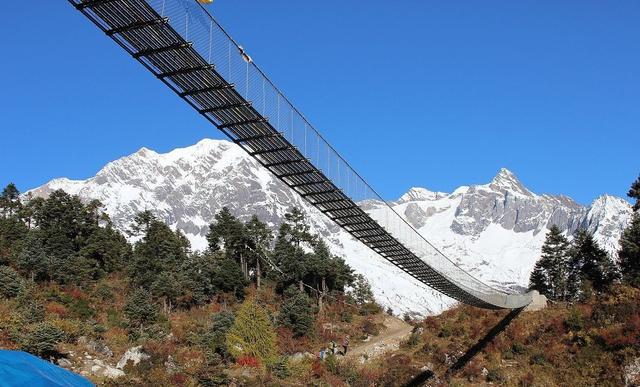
494	230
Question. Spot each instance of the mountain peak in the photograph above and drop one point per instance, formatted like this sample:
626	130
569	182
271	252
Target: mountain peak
420	194
606	200
505	180
146	152
505	176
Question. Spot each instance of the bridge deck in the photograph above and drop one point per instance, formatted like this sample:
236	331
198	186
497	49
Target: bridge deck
152	39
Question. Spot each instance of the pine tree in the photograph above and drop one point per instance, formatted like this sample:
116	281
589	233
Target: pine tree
33	260
229	277
108	249
327	272
139	309
141	223
297	312
634	193
361	291
252	333
167	286
43	339
160	250
216	337
260	237
199	276
230	234
29	304
10	282
12	232
12	227
549	275
590	263
299	230
10	200
539	278
290	250
629	253
223	231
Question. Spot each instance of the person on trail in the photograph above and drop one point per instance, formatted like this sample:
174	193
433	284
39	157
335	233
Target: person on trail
323	353
345	344
333	346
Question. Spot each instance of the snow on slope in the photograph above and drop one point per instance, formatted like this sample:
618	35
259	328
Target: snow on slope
495	230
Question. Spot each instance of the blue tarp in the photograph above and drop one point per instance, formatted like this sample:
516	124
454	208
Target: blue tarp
23	369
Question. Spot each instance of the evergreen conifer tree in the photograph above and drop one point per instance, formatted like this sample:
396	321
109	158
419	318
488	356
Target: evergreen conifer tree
216	337
141	223
260	237
297	312
629	253
230	234
42	339
167	286
549	275
10	282
139	309
252	333
634	192
289	250
229	278
199	276
33	260
590	263
10	200
361	291
160	250
12	232
107	249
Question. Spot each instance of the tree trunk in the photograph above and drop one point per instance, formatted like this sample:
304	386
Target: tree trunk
243	267
258	273
321	293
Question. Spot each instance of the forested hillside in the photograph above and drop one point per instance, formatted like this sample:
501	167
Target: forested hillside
259	307
68	278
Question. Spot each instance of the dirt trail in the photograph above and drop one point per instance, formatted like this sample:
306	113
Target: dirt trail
389	339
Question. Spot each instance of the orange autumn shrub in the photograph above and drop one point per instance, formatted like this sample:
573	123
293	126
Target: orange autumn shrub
56	309
248	361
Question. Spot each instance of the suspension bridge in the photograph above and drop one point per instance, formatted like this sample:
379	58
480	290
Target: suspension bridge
182	45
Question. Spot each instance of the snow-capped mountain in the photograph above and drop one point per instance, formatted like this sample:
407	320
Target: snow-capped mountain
495	230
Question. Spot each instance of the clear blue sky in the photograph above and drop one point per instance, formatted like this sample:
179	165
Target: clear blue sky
412	93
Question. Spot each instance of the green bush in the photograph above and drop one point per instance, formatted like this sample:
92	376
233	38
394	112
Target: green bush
446	330
10	282
518	348
42	339
575	321
508	355
81	309
140	310
214	339
538	358
297	313
495	375
281	367
346	316
370	308
30	307
412	340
